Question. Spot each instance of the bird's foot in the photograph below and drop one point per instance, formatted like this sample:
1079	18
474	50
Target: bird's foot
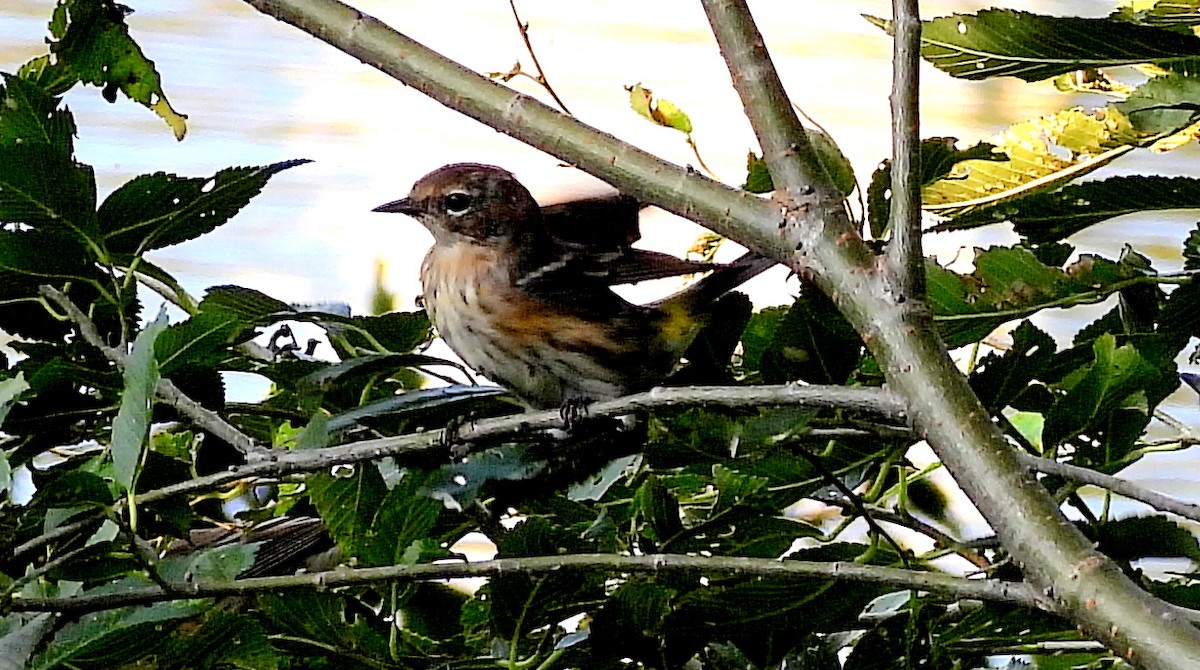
572	412
452	434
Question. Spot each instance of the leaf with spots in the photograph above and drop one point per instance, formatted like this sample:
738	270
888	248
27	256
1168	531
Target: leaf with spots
92	44
1010	284
1037	155
158	210
1033	47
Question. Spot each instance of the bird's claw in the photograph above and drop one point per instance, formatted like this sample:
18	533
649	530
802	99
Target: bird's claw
573	411
451	434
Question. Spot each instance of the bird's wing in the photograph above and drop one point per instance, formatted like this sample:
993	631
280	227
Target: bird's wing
592	245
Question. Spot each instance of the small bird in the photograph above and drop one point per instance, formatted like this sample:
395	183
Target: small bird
522	293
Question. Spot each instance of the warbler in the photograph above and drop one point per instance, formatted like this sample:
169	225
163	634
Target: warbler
523	294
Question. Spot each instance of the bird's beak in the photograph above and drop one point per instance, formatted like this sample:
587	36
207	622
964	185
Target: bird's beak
401	206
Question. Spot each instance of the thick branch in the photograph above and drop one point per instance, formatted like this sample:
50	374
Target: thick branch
932	582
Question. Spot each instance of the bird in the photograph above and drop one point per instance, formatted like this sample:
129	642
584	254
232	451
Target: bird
523	293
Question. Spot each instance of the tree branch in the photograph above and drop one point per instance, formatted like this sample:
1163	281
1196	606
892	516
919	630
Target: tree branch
944	410
165	389
1017	593
422	446
1124	487
906	260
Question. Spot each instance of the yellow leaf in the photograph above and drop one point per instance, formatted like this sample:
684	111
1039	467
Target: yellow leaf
660	112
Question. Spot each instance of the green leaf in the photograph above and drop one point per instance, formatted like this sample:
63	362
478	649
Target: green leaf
759	335
220	564
1163	105
1181	312
1033	47
836	165
1048	217
734	488
1117	376
405	518
42	188
348	505
201	340
813	343
10	392
132	425
412	402
396	331
47	75
73	489
829	154
531	602
659	509
1191	250
30	116
1009	284
1132	538
96	47
112	631
328	620
222	640
631	617
159	210
999	378
248	304
758	177
460	485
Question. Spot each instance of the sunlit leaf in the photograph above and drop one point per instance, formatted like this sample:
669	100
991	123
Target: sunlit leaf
1043	153
658	111
1003	42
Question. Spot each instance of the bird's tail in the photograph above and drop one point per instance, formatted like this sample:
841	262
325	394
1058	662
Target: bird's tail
685	313
695	298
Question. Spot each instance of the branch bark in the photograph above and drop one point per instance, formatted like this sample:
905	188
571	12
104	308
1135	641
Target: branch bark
1017	593
906	260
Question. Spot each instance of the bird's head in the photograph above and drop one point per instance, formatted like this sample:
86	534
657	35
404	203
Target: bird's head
481	202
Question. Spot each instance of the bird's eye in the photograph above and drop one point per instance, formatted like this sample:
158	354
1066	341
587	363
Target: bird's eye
458	203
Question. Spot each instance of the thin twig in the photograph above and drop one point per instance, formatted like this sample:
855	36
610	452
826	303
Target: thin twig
1124	487
541	75
1018	593
855	501
165	390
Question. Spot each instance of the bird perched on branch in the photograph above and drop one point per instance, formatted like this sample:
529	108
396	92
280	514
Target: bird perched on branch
523	295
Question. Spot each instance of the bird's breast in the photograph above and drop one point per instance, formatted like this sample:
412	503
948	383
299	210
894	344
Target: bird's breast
543	351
